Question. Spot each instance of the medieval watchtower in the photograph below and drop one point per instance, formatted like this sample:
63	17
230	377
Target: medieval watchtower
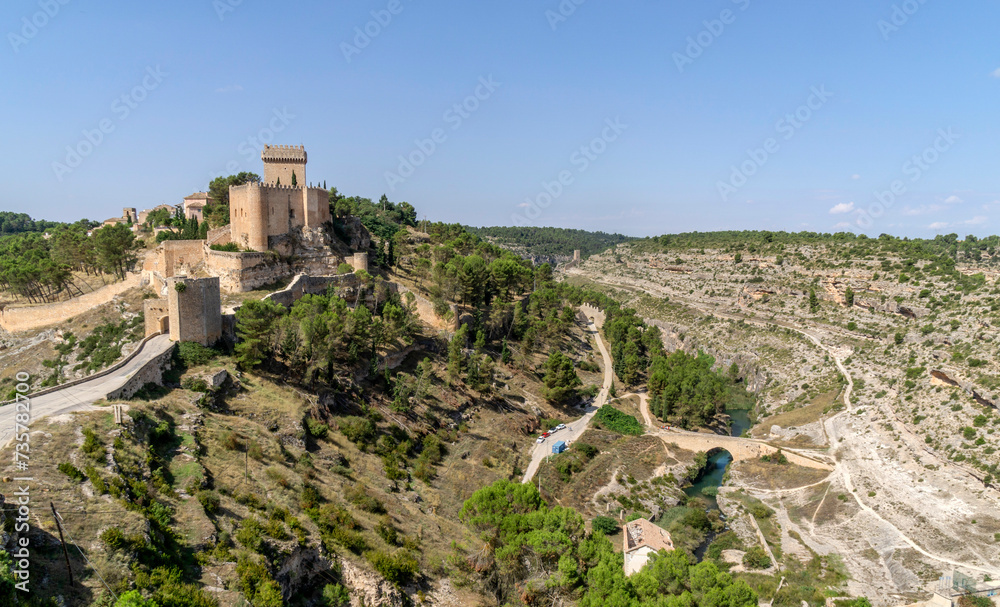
284	165
283	202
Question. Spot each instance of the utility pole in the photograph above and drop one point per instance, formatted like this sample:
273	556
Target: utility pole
55	515
246	463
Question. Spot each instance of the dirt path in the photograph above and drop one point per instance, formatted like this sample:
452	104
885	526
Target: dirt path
575	429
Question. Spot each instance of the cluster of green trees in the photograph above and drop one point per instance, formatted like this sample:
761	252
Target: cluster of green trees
217	213
18	223
534	553
687	390
41	269
321	334
551	241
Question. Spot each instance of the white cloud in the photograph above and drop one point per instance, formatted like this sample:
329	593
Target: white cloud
922	209
524	205
842	225
938	225
232	88
996	73
975	221
844	207
952	199
855	177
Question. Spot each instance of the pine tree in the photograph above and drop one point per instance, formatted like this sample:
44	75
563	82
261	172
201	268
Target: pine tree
813	301
295	181
849	297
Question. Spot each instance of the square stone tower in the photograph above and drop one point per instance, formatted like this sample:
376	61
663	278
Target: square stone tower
283	161
195	309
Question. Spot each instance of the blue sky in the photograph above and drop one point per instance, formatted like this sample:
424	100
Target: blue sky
702	98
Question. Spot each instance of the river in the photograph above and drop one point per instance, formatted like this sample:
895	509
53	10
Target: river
711	478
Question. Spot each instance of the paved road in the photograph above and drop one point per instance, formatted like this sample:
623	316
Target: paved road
576	428
82	397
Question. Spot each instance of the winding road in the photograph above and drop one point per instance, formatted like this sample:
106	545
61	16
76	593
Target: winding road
83	395
575	429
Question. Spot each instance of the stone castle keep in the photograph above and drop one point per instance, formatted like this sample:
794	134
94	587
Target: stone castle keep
261	215
282	227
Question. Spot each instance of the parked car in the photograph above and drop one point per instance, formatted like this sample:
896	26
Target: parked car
560	426
545	434
541	439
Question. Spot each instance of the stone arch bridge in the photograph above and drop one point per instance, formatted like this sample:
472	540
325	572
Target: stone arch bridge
739	448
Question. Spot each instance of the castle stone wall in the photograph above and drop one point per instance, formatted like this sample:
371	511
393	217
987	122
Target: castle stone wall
303	284
195	309
153	310
241	272
16	318
150	373
174	256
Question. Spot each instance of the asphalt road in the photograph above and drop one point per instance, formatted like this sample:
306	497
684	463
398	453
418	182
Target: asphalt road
82	397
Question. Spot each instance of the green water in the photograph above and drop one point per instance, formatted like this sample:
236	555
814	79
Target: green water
711	478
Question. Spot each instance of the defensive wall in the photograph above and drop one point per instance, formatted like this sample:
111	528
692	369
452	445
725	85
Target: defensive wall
25	318
149	373
346	284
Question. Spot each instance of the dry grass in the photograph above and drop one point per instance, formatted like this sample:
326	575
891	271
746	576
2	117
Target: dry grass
770	475
798	417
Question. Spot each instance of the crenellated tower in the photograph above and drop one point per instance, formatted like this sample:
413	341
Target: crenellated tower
274	208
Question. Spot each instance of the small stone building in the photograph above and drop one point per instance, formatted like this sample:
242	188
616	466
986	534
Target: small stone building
195	204
642	539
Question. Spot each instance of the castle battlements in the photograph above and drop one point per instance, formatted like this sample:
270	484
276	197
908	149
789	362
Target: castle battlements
284	153
266	211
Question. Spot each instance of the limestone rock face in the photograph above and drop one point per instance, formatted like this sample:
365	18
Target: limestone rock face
368	589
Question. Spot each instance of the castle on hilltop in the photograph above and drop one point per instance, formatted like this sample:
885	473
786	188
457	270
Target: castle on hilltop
262	212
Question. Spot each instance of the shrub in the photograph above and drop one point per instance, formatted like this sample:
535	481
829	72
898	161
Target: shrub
756	558
612	419
96	480
192	354
209	500
588	451
92	445
398	567
194	385
115	539
363	499
229	247
335	595
231	441
316	428
250	534
358	430
71	471
604	524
